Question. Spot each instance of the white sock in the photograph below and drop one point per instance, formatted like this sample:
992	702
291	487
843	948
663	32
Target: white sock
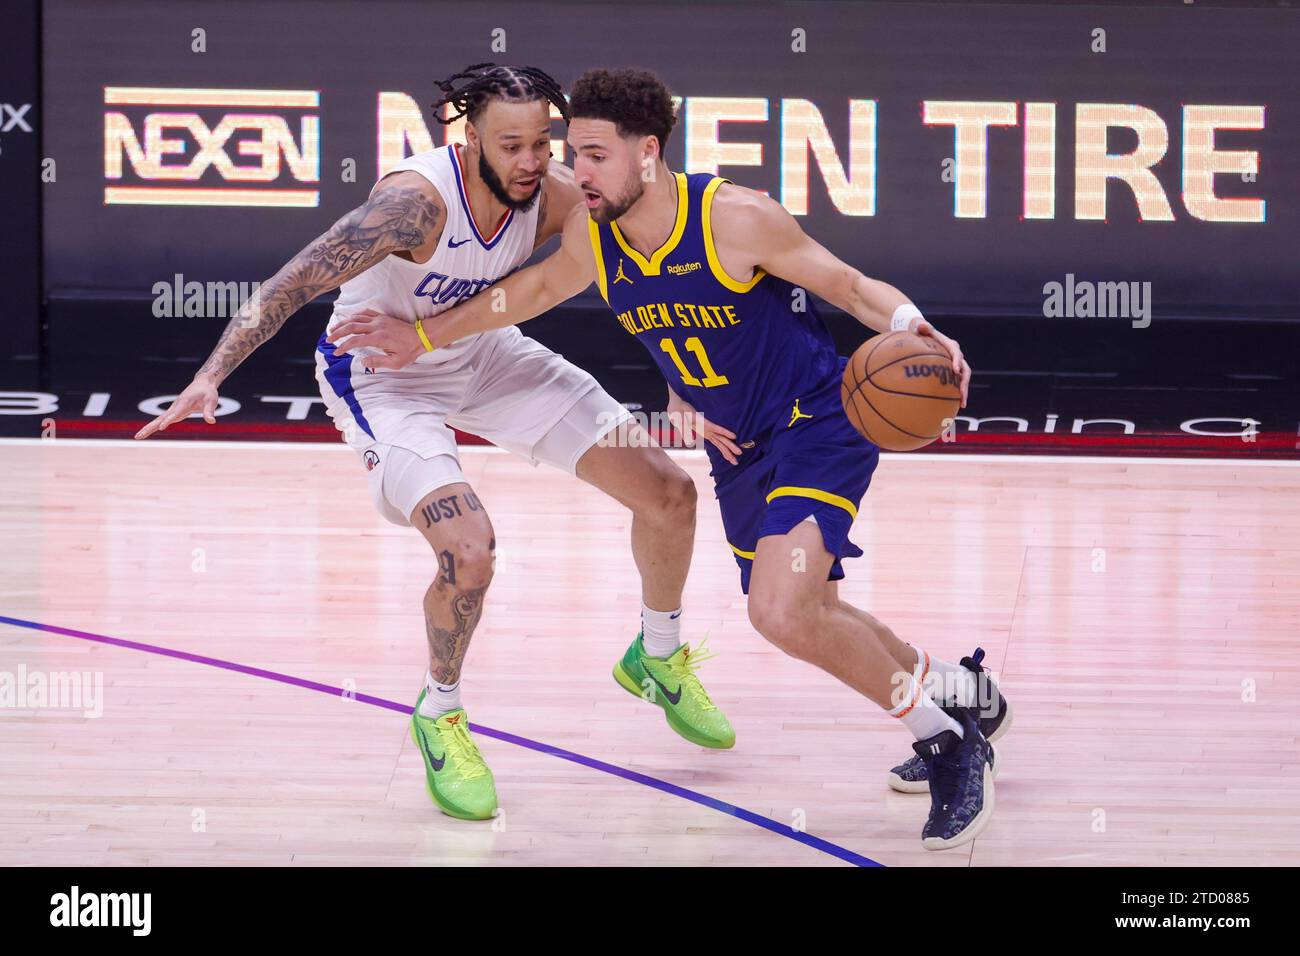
440	697
944	682
661	631
920	714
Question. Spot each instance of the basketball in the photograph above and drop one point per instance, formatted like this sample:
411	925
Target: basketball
899	389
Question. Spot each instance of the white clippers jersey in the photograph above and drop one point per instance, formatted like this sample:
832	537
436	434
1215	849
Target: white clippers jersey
465	262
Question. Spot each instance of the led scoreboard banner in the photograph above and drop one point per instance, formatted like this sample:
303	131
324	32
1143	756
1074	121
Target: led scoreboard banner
972	154
850	186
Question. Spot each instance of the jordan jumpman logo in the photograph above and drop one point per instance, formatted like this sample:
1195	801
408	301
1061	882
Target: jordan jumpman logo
797	414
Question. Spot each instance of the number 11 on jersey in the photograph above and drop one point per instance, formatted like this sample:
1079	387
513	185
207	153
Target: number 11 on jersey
695	346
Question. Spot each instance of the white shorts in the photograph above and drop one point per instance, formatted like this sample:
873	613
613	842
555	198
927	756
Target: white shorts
506	388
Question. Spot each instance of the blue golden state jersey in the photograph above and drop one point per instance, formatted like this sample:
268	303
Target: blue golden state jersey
740	352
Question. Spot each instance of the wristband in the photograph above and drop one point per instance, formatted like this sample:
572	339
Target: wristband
419	330
903	316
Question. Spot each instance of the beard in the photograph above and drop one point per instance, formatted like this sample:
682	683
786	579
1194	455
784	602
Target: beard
498	188
608	211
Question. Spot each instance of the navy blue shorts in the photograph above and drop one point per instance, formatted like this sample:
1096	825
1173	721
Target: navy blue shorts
817	465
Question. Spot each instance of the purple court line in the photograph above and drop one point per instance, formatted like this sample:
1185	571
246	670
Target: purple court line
740	813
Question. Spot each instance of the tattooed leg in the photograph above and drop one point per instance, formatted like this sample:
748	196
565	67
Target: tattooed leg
447	645
454	522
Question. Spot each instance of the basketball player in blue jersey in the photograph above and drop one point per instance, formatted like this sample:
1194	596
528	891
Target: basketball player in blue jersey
709	276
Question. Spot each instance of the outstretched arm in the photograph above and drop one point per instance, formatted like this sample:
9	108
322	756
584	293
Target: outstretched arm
401	214
517	298
755	231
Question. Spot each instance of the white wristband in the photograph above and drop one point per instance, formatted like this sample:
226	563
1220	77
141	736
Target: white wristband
903	316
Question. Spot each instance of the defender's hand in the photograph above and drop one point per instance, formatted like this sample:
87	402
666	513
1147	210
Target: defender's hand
694	426
400	342
199	396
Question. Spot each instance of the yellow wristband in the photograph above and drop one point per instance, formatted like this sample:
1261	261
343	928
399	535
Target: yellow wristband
419	330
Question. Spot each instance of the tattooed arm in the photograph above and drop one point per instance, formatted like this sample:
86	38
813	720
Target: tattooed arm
402	214
398	217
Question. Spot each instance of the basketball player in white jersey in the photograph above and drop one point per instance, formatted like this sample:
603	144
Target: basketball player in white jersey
438	228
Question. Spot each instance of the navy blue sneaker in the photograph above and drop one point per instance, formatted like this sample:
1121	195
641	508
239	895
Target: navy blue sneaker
960	771
910	776
992	713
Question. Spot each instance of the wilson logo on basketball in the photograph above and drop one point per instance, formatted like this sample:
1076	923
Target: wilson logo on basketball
942	372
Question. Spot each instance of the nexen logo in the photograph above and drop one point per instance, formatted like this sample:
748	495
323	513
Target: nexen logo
182	147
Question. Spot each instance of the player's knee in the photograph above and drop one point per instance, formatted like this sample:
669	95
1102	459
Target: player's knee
673	499
466	565
680	496
783	624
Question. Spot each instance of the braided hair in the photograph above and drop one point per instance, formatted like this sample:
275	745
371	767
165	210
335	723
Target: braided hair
484	82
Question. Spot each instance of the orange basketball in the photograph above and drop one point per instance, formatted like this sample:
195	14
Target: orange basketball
899	389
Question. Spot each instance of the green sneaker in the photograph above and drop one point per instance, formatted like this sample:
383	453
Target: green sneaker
670	683
456	776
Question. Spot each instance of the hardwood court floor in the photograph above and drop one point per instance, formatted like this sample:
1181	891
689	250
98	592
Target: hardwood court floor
1143	616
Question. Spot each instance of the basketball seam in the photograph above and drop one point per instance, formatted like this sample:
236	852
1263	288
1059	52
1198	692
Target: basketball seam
891	424
857	389
866	432
857	382
866	359
894	391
